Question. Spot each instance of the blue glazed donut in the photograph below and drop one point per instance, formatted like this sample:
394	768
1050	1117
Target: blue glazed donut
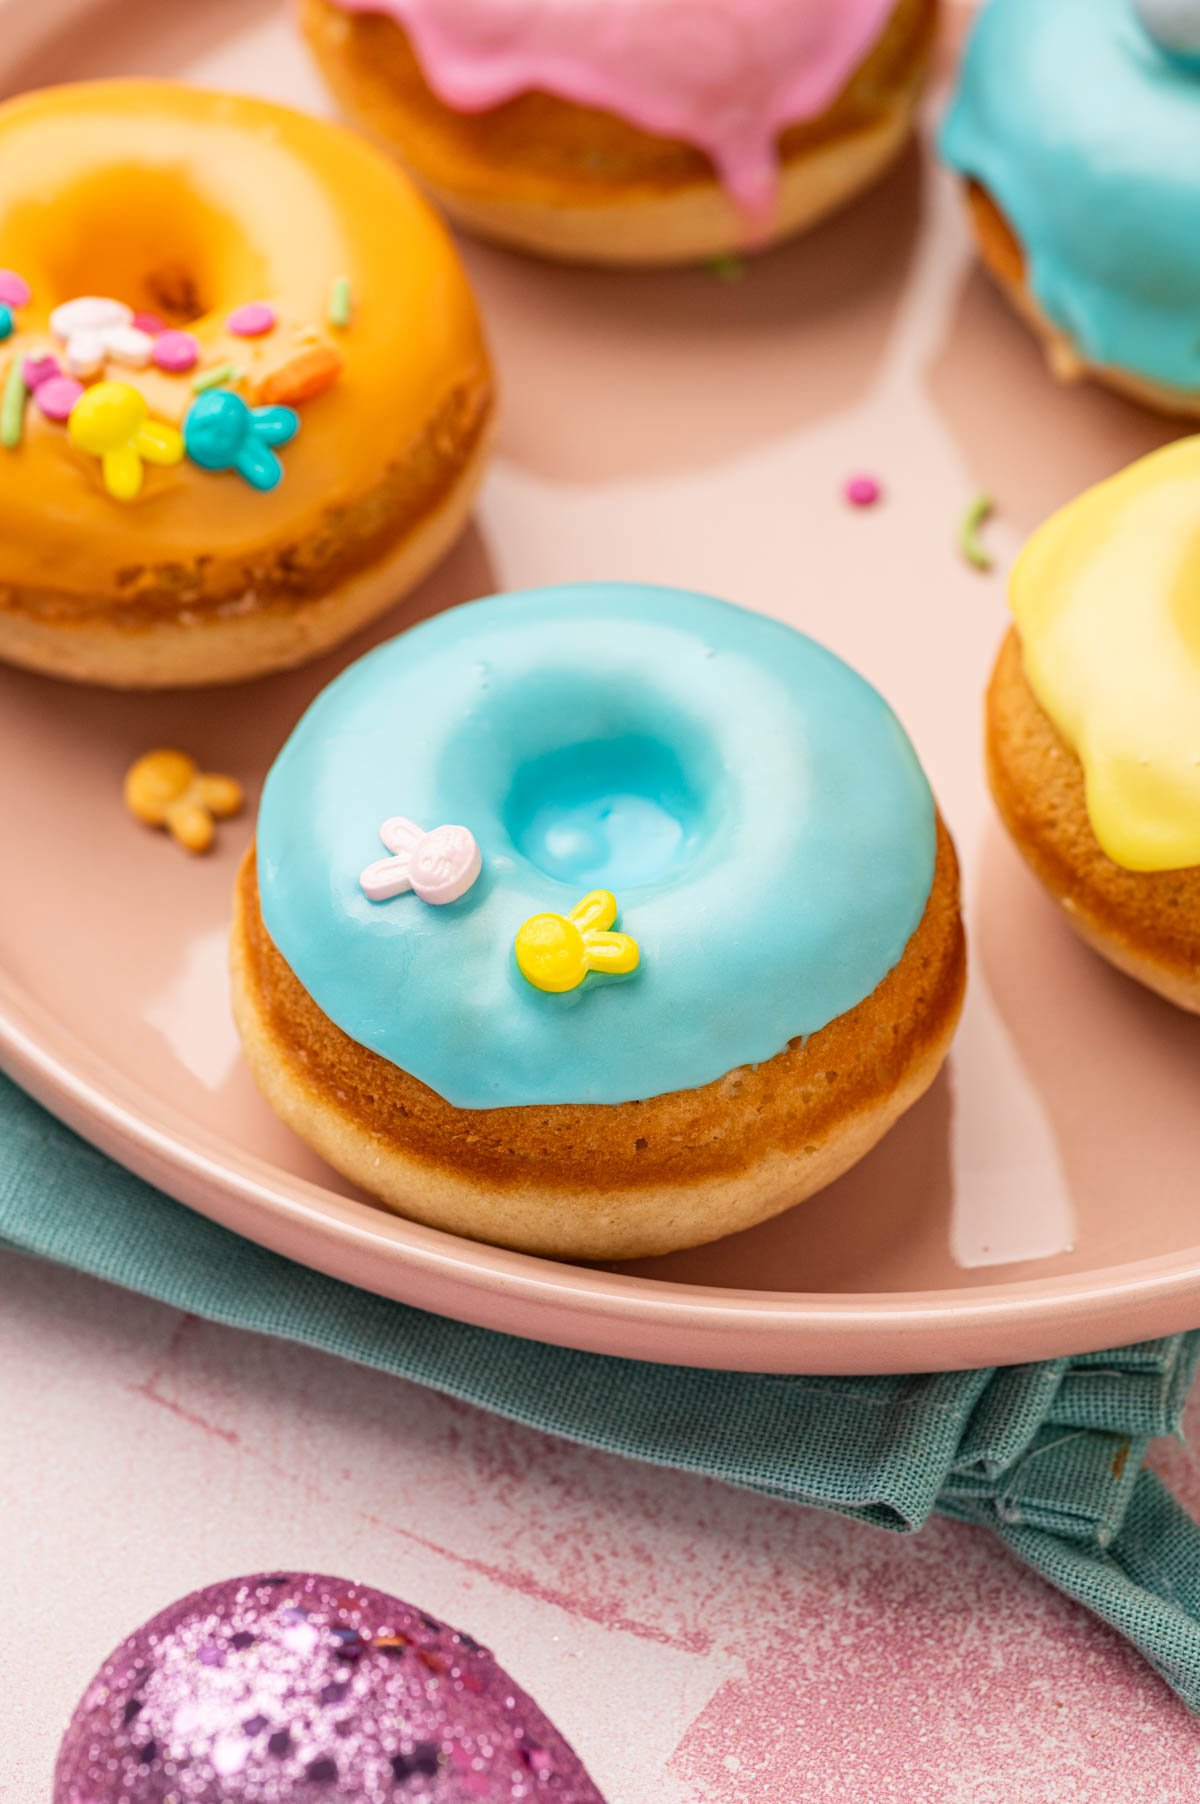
749	805
752	803
1079	120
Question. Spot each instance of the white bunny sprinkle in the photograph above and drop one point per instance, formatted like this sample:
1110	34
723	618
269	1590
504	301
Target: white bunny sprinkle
439	866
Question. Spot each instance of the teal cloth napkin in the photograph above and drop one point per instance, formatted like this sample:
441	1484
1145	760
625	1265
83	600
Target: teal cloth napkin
1049	1457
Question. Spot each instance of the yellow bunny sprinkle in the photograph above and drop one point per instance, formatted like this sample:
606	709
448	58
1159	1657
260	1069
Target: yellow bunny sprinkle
556	952
165	789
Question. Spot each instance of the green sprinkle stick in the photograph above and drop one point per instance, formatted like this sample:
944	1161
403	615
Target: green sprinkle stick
341	303
726	269
12	406
214	377
969	542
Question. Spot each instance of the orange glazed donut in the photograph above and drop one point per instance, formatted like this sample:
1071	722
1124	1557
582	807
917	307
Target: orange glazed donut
244	394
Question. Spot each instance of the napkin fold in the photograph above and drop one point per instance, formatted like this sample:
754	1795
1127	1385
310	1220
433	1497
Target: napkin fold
1050	1457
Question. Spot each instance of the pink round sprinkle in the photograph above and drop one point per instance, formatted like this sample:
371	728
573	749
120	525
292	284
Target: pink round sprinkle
862	491
37	370
176	352
57	397
149	322
14	289
252	320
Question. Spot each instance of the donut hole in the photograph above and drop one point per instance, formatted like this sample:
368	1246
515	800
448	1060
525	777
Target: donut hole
606	813
143	236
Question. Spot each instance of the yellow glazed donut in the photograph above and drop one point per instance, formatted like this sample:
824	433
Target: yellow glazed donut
1093	750
286	395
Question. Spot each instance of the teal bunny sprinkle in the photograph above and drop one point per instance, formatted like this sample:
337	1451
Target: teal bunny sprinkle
220	432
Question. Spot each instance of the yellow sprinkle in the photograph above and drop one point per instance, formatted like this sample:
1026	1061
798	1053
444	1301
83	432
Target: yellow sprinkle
556	952
111	422
165	789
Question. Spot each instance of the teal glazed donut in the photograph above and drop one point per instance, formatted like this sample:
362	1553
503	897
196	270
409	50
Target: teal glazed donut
753	805
1080	119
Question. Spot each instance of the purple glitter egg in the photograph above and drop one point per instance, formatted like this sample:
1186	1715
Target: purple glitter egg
289	1688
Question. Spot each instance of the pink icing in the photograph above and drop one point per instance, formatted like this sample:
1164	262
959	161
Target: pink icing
725	75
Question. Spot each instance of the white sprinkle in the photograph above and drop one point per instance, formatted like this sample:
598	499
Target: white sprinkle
129	345
89	313
84	355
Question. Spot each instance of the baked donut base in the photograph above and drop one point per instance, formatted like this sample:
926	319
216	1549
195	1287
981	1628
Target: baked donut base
646	217
889	1050
1003	256
235	647
1146	923
695	224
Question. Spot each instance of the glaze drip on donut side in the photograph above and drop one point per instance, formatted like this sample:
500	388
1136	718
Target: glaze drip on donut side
1086	134
726	76
1106	597
752	802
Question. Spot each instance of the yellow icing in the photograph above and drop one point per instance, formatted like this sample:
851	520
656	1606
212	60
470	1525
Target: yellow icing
133	188
1106	598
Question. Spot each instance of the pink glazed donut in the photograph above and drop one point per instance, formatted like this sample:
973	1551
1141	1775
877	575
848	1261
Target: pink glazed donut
290	1688
631	131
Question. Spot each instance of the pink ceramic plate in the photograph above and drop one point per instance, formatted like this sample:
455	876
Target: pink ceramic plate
680	429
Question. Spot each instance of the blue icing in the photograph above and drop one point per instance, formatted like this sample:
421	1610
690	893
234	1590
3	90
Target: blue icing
753	804
1087	134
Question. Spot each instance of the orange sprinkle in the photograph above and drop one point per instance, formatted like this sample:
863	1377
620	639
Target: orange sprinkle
306	373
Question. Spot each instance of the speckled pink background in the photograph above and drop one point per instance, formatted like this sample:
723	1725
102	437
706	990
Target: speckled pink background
698	1645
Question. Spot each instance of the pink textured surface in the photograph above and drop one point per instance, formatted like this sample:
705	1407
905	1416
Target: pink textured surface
264	1688
696	1645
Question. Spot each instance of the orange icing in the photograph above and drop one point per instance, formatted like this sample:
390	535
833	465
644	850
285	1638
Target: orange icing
136	188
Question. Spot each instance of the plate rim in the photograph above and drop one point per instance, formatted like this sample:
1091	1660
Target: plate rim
580	1306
